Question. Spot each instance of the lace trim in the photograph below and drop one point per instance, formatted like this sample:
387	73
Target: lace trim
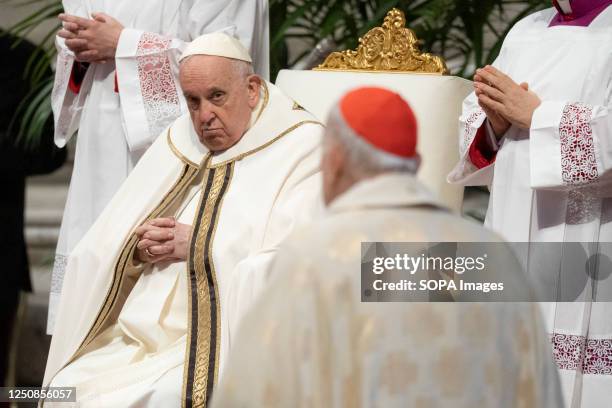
63	68
59	270
583	205
593	356
578	161
161	100
469	131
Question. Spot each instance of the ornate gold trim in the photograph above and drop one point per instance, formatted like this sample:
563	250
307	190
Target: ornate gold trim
229	176
203	296
177	152
392	47
205	161
263	146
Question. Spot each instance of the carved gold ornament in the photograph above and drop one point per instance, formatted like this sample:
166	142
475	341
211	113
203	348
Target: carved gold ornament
392	47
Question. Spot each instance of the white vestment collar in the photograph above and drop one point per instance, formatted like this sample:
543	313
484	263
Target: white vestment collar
275	115
390	190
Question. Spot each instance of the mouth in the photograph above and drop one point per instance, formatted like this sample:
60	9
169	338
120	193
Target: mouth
211	130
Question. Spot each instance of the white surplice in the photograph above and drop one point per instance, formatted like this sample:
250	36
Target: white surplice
127	333
311	342
551	183
124	104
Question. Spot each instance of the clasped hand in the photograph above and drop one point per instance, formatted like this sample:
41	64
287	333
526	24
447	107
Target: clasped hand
504	101
162	239
91	40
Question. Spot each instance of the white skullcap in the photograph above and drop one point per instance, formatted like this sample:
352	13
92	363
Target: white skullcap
217	44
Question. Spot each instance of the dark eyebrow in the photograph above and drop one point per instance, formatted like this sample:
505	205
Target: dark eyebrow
215	90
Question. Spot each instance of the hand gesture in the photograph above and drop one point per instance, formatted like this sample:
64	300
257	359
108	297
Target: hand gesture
504	100
162	239
91	40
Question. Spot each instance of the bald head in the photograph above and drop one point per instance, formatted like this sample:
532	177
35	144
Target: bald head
221	94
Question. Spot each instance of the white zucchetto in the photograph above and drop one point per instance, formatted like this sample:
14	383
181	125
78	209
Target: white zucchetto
217	44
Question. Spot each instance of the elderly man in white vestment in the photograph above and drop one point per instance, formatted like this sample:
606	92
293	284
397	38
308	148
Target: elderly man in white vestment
155	289
116	85
538	131
331	350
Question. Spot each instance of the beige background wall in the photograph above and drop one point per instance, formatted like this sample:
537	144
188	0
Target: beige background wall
10	14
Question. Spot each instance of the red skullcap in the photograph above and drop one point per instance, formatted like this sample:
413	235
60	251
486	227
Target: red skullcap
383	118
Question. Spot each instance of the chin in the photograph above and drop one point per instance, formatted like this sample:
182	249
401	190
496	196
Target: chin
214	141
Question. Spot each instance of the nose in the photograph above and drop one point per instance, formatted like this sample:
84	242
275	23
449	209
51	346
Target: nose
206	114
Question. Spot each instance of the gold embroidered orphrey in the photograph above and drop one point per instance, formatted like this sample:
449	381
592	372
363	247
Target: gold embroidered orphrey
392	47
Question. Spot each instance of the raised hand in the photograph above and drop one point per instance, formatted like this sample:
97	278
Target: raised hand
91	40
503	98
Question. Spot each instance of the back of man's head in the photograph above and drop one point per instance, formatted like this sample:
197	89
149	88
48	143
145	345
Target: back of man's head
370	131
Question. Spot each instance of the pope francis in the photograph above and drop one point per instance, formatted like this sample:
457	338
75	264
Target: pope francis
155	289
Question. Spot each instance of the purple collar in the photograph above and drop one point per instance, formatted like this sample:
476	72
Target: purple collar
583	12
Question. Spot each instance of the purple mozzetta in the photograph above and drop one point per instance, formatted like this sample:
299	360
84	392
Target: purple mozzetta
582	14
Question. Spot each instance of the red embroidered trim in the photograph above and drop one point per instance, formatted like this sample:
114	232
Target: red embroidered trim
572	352
161	101
470	131
578	161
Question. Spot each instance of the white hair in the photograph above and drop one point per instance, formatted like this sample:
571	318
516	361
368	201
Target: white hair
243	69
363	158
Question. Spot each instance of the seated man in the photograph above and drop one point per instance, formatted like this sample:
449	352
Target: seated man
155	289
331	350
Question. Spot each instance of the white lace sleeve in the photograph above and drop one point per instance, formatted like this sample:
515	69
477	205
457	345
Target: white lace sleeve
147	75
465	172
64	101
570	144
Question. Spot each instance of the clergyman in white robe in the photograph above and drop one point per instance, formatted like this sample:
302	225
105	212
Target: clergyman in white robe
551	183
131	335
123	105
311	340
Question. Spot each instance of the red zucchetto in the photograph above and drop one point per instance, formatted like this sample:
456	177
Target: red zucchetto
382	118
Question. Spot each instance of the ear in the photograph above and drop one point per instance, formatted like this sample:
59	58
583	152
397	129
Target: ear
337	160
253	86
418	161
331	167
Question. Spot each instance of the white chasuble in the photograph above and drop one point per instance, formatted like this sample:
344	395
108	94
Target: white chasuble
551	183
124	104
310	341
135	333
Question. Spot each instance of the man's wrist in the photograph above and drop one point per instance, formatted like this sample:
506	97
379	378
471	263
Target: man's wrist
495	136
116	42
498	130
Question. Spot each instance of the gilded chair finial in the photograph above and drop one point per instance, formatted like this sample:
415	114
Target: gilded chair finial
392	47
